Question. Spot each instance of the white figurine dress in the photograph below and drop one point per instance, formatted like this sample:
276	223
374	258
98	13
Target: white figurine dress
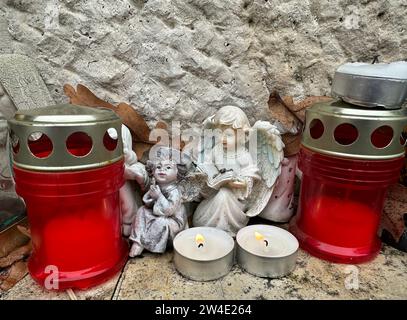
225	207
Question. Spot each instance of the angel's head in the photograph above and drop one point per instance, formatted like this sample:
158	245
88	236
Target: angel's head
166	165
230	120
231	117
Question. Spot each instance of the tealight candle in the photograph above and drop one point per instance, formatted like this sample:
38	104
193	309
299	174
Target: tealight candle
203	253
266	251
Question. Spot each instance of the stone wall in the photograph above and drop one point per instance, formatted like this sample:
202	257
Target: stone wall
182	59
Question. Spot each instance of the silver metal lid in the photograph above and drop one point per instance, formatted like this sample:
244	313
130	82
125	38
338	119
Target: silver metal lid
65	137
339	129
372	85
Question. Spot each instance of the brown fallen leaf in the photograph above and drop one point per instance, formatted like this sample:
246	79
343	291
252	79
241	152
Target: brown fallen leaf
16	272
24	230
16	255
395	207
83	96
299	108
280	111
70	92
292	116
292	144
142	150
11	239
134	121
129	116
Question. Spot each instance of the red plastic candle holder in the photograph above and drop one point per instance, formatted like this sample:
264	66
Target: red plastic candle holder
69	169
348	159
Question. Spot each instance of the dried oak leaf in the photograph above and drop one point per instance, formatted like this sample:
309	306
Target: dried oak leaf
134	121
129	116
16	255
280	111
11	239
15	273
24	230
83	96
291	116
299	108
292	144
395	207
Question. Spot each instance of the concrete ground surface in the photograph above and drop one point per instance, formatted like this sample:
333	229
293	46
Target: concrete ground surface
153	276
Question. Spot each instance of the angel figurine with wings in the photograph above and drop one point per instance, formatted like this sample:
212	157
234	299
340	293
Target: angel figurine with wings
238	170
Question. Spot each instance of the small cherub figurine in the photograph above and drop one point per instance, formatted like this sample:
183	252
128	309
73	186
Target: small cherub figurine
241	168
163	214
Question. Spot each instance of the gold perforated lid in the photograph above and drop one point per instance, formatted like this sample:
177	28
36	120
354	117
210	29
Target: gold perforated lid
65	137
341	129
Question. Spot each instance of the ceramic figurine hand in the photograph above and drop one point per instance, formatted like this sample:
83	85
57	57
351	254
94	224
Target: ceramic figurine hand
148	201
136	172
155	191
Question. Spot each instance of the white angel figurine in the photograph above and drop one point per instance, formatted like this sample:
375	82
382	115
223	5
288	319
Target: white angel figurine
241	169
130	198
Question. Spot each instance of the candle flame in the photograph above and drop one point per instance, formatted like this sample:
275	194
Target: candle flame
258	236
199	239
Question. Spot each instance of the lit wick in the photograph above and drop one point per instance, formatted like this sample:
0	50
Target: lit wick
260	237
199	239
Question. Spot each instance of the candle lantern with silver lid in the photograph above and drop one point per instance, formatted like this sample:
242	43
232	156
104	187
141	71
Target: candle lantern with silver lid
349	156
68	168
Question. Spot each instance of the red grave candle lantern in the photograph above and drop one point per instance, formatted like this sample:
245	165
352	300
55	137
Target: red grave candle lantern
349	156
68	168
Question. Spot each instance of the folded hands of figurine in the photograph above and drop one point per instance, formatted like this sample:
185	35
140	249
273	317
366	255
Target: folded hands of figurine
148	199
155	191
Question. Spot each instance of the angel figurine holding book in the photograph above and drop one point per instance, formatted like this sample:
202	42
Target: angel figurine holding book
240	169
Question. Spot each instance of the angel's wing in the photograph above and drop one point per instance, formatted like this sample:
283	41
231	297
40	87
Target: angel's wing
270	151
269	154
